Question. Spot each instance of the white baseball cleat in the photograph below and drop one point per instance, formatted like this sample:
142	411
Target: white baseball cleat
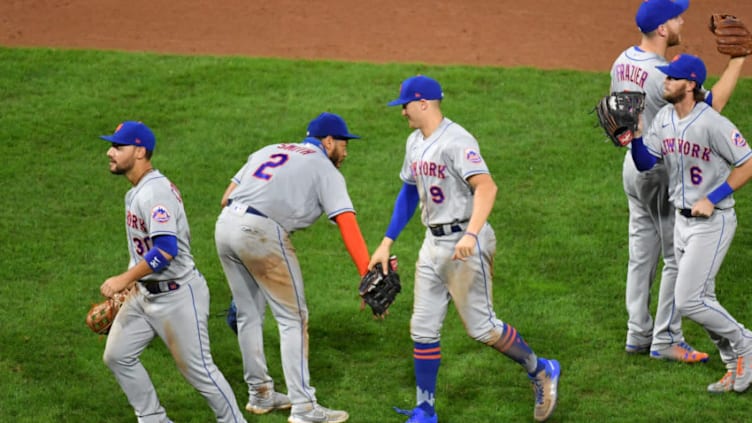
726	384
545	386
743	373
264	403
318	414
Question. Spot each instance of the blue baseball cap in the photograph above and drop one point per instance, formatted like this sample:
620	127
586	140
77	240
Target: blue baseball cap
685	66
327	124
653	13
418	88
132	133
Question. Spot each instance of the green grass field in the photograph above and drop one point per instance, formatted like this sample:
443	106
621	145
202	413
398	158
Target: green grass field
560	218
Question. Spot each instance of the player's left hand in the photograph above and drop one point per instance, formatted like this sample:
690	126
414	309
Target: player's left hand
113	285
464	248
703	208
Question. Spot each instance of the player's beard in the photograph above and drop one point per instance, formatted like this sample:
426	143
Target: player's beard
336	159
675	97
121	168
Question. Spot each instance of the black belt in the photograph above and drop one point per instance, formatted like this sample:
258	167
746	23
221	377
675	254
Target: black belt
446	229
688	213
250	210
161	286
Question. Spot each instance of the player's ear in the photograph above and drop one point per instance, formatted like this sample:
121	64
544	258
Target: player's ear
328	143
141	152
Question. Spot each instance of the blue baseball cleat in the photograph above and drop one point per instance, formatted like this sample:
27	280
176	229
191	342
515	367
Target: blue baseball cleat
545	385
418	415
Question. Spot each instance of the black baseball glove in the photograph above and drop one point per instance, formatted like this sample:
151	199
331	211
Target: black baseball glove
379	290
619	114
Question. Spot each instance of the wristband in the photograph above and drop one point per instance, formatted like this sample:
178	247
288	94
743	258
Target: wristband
718	194
472	235
156	260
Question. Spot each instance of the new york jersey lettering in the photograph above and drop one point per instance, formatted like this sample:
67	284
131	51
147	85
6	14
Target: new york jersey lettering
426	168
685	148
135	222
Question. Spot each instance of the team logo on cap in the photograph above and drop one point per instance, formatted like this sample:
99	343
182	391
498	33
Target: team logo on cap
472	156
160	214
738	139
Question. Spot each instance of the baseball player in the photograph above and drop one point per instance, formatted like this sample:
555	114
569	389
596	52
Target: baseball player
172	298
651	215
699	148
444	171
283	188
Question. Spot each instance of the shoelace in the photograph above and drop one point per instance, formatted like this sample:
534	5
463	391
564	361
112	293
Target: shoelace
740	366
538	388
686	347
727	379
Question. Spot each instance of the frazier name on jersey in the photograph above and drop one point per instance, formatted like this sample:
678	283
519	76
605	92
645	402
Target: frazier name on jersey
631	73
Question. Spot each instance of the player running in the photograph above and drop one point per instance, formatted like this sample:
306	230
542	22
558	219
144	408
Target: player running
172	299
707	159
444	171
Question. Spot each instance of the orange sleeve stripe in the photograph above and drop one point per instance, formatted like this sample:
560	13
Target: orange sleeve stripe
353	239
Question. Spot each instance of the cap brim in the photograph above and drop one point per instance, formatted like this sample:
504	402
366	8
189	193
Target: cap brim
666	69
398	102
347	137
109	138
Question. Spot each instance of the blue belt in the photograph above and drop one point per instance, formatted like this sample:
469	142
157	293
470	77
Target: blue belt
251	210
448	228
161	286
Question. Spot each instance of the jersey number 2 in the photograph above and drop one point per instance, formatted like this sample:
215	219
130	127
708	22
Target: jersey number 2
276	160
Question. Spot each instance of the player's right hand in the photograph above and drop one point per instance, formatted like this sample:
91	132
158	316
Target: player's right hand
381	255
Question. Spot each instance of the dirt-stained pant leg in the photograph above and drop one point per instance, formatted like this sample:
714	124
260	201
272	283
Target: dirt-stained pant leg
262	268
180	319
247	296
183	327
128	337
468	283
651	221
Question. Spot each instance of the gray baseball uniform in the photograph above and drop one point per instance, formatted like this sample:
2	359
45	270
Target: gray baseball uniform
440	166
281	188
651	216
698	151
172	304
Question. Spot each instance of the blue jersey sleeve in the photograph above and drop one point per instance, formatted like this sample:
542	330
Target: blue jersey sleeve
404	207
642	158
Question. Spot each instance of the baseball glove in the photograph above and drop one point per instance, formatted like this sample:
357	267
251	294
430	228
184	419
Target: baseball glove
731	35
379	290
100	316
619	114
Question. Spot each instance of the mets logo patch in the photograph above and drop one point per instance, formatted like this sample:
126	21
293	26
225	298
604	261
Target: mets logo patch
738	139
160	214
473	156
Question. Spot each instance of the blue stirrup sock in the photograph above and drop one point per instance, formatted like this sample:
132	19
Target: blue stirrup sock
427	358
513	346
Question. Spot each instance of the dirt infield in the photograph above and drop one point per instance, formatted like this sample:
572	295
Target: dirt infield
550	34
